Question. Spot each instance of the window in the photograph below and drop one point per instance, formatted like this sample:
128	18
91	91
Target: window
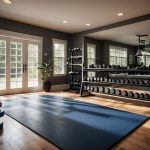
2	64
147	54
117	56
91	53
59	54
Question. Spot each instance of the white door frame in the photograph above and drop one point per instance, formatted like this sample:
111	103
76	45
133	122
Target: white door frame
9	36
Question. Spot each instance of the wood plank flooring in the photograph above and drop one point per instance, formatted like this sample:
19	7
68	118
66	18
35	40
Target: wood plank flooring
15	136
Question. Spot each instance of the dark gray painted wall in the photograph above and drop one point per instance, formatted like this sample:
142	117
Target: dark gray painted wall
47	35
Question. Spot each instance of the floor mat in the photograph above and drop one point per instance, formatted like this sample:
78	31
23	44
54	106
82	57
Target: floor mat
73	125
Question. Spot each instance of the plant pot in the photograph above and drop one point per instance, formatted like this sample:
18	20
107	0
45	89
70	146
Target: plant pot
47	86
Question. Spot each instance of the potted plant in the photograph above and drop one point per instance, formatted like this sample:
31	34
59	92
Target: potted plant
46	70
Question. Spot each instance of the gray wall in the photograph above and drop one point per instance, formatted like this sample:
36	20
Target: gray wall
47	35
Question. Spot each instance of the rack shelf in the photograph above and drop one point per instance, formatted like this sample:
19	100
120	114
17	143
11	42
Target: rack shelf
117	70
94	84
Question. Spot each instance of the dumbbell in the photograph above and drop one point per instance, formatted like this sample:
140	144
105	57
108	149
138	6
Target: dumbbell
126	81
131	81
117	67
117	80
147	96
109	80
91	78
99	66
113	80
130	94
101	79
136	95
148	82
95	66
141	82
101	89
91	66
105	79
108	66
124	93
94	79
92	88
113	66
118	92
96	89
141	95
88	88
88	79
112	91
107	90
98	79
122	81
136	81
103	66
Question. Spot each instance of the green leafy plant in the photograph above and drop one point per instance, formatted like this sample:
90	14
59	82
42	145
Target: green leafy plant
46	70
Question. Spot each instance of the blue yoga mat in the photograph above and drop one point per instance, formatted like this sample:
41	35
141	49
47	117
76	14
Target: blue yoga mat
73	125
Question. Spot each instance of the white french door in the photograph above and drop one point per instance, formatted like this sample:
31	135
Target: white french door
19	60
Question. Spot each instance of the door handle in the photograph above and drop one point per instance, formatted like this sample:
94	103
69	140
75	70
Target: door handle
24	67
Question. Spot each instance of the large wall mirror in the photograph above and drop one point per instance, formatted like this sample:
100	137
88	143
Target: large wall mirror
127	46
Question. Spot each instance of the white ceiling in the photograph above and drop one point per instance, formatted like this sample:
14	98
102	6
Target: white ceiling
125	34
50	13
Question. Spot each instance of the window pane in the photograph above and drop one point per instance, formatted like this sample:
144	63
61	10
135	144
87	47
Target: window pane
59	56
118	56
91	58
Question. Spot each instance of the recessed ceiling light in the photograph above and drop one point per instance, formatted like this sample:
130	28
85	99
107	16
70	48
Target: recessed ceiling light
64	21
7	1
120	14
88	24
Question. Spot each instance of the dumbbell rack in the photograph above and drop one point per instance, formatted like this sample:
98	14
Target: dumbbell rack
75	64
85	83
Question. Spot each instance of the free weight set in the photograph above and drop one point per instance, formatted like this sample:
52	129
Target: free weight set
118	92
117	67
138	82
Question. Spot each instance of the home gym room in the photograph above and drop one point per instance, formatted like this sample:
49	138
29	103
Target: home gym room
74	75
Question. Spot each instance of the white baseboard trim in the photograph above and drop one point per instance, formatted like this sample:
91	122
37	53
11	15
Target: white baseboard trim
59	87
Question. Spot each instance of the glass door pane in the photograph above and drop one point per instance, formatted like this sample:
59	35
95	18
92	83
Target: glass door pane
33	60
16	64
2	64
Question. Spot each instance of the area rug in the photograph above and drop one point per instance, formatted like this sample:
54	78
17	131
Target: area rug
71	124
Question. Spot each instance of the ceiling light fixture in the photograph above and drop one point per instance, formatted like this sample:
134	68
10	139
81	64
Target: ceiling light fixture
120	14
88	24
64	21
7	1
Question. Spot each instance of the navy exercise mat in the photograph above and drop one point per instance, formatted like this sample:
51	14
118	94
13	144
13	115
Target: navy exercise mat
73	125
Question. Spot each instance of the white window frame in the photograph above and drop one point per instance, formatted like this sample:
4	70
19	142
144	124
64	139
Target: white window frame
65	55
91	74
120	49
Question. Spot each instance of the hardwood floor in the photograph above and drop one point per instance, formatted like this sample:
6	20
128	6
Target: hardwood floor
15	136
